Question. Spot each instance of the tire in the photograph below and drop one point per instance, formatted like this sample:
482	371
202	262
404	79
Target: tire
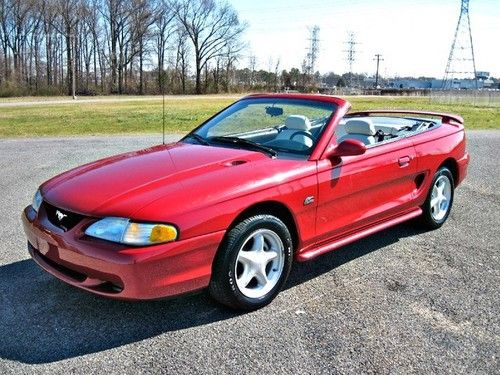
252	264
437	206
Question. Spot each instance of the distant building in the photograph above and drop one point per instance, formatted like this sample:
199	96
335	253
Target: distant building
436	84
458	84
482	75
489	84
408	83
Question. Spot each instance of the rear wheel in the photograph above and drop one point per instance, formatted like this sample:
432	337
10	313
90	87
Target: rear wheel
437	206
252	264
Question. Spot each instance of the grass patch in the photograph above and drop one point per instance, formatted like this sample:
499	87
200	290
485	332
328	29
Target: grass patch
182	114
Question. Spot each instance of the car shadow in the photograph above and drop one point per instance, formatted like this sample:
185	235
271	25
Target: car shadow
305	271
43	320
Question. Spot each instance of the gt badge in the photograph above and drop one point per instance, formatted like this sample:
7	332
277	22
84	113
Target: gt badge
309	200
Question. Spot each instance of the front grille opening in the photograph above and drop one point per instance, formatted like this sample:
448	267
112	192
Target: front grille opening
109	287
77	276
106	286
63	219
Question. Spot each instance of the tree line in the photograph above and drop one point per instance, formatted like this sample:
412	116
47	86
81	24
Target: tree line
118	46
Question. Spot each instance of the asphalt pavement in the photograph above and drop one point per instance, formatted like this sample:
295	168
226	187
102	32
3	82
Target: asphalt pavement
399	302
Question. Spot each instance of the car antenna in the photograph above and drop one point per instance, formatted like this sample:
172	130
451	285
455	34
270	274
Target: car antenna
163	115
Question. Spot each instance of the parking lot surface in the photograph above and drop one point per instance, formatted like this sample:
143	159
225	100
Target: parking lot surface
401	301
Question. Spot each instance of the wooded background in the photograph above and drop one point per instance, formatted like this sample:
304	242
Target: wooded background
119	47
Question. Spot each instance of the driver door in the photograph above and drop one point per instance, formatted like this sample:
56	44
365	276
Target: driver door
357	191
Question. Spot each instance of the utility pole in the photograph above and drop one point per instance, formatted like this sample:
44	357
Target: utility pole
378	58
253	64
461	61
73	70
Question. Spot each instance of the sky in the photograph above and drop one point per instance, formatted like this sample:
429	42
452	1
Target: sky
413	36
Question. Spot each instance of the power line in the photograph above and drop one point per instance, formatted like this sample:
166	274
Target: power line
461	62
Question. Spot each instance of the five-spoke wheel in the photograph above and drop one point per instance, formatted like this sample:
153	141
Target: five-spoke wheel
439	200
440	197
252	263
259	264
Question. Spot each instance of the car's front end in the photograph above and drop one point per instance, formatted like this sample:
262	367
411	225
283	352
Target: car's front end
61	243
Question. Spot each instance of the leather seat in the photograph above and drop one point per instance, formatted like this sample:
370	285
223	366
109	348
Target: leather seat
294	124
361	129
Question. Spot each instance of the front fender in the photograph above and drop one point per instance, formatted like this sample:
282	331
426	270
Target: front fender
220	216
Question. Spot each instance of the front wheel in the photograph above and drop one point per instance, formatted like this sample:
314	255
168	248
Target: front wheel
437	206
252	264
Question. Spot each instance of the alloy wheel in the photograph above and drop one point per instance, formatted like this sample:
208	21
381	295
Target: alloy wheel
259	263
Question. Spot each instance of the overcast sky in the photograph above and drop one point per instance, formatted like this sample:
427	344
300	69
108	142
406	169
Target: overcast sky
414	37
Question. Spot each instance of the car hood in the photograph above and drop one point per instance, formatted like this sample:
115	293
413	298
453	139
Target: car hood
193	175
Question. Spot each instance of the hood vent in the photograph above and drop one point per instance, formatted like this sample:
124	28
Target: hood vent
234	163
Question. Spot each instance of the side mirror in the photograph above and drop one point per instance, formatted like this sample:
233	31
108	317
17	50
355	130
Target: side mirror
348	147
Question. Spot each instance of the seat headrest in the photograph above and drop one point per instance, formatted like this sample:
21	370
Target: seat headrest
298	122
360	126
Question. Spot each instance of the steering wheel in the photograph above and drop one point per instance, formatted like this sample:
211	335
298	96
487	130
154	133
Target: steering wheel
302	132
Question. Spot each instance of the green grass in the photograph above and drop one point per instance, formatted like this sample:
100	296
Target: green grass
115	116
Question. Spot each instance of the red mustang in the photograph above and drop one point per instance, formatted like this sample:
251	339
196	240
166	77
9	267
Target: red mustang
268	180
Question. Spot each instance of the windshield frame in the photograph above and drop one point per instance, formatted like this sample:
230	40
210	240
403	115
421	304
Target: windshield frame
332	104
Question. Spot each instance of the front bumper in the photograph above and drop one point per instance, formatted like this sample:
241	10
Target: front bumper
117	271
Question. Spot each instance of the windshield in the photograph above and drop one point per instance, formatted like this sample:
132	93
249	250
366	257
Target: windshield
286	127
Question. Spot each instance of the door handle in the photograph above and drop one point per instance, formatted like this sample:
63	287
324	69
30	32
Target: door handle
404	161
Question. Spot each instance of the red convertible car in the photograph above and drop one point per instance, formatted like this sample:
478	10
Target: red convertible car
266	181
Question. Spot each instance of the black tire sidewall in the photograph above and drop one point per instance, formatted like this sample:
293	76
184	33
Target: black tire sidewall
429	219
228	254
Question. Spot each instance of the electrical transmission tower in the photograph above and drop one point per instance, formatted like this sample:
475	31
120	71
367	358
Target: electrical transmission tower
351	54
313	51
461	62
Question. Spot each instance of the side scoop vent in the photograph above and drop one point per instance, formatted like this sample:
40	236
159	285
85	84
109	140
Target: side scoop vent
419	180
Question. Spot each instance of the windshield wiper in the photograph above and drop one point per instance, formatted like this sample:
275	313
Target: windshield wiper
245	142
198	138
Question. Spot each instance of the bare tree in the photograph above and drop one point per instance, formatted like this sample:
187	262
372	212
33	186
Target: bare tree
209	26
48	14
164	28
33	53
94	27
232	54
69	12
142	20
115	14
16	29
4	35
182	62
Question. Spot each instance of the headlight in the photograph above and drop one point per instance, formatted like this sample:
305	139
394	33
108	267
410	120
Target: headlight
37	201
121	230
